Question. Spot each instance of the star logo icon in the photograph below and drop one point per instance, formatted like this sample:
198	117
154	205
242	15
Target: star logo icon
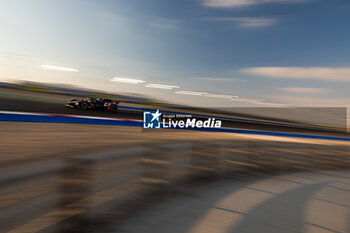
156	115
151	119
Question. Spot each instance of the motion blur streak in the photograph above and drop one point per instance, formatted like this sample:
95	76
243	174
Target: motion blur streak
59	68
163	116
127	80
34	117
191	93
94	189
162	86
221	96
59	177
30	117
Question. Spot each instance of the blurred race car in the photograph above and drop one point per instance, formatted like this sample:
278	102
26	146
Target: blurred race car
93	103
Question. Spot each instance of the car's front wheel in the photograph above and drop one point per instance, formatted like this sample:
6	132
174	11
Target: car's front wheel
114	108
84	106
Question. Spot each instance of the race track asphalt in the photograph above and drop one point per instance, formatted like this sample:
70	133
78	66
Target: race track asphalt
36	106
9	103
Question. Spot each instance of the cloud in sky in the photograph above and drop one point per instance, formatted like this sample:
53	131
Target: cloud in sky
246	22
313	102
304	90
319	73
242	3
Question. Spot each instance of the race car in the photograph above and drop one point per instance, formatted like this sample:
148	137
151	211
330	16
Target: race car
93	103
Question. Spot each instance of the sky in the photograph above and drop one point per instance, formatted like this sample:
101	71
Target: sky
230	52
